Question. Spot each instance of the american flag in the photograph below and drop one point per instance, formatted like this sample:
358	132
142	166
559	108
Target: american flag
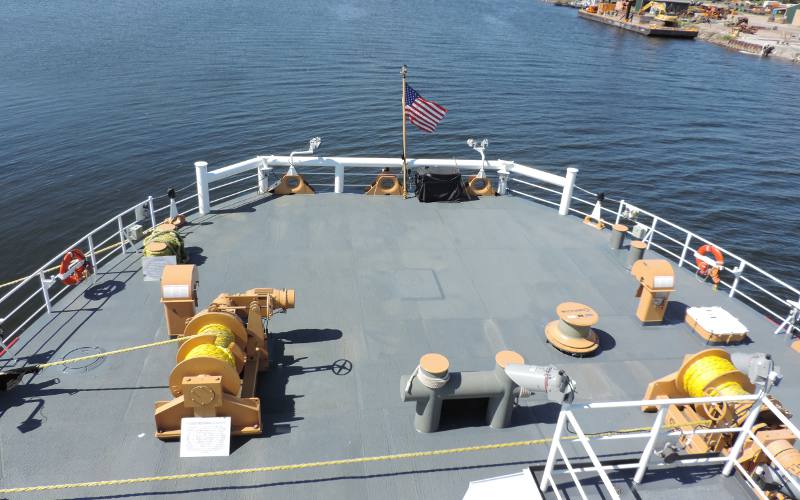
423	113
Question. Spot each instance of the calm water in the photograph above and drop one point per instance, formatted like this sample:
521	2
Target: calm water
105	101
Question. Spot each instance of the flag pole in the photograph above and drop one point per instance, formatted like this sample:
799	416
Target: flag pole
404	72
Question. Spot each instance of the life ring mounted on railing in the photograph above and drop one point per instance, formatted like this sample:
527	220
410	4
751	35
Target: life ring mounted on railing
74	267
480	186
704	267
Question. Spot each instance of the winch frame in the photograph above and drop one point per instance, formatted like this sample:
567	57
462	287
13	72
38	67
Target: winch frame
209	387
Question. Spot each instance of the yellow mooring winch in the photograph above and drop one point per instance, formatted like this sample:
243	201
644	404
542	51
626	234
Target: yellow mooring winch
217	366
704	374
710	373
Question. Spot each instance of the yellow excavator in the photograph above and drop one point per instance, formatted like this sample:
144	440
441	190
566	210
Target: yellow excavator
660	14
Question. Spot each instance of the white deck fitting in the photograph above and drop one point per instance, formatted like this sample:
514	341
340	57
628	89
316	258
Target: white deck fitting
717	320
519	486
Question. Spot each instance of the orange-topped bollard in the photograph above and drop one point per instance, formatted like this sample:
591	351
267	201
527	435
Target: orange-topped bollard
434	364
618	236
505	358
636	253
572	332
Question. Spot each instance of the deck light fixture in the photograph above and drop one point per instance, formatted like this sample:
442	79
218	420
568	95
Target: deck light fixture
313	144
480	148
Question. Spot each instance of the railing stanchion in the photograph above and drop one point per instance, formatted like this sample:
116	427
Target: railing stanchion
203	197
547	475
152	211
503	175
263	183
121	235
612	492
566	194
737	274
338	181
651	442
92	257
45	284
733	454
619	211
652	232
686	244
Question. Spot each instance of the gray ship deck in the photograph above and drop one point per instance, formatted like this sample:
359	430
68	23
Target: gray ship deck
380	281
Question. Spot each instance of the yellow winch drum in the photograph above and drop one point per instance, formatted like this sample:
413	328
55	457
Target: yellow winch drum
705	372
224	335
712	376
212	351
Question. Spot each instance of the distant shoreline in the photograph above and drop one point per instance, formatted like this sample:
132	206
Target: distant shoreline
779	41
719	34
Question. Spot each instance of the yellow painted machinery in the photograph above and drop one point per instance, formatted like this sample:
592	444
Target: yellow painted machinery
179	295
385	183
660	14
218	363
715	372
706	373
656	281
292	182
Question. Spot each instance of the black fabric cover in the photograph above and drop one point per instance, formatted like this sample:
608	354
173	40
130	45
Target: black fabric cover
444	185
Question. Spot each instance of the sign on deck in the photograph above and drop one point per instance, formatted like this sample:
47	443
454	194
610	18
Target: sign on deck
205	437
152	267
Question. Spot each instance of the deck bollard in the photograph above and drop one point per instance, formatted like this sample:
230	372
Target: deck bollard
636	253
498	413
432	383
618	236
434	370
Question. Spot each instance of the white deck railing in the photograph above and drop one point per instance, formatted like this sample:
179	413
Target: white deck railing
19	306
661	233
263	166
567	417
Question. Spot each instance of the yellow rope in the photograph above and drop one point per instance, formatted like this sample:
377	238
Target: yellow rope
224	334
111	353
212	351
703	371
325	463
170	238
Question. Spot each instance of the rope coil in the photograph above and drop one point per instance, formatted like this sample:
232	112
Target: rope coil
426	379
171	239
219	349
704	371
225	336
212	351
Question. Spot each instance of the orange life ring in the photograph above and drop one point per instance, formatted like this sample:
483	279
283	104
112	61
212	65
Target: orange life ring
702	266
79	270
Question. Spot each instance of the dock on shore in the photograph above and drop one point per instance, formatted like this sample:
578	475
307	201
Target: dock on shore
642	29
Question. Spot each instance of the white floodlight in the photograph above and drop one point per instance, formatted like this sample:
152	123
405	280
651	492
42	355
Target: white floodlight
313	144
480	148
